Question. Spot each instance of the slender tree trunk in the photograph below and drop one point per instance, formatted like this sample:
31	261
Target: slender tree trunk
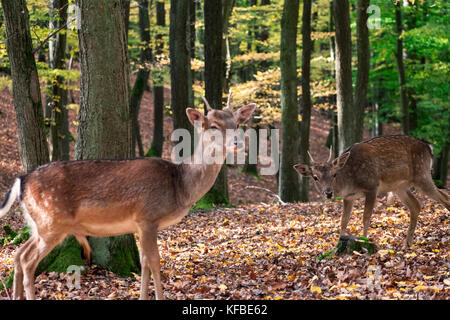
346	113
227	11
191	48
158	88
401	68
333	134
214	66
289	189
33	147
179	63
443	168
306	95
362	76
57	99
142	76
104	129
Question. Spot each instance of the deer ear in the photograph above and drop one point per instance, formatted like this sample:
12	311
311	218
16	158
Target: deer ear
340	161
244	113
303	169
194	116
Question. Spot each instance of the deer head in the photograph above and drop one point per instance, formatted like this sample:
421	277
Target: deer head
213	126
324	174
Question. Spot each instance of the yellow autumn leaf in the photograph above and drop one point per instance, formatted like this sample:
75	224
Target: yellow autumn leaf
222	287
315	289
420	288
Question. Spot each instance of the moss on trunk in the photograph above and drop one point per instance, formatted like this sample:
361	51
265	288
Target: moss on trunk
117	254
64	255
349	244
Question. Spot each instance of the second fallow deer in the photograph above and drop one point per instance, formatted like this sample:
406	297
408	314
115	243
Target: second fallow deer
111	197
383	164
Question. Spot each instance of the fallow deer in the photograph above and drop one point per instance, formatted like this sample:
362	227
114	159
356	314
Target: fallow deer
111	197
382	164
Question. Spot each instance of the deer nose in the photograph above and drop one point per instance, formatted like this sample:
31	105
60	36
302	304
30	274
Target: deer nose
329	193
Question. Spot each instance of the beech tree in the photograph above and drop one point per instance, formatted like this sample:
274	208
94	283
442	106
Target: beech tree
26	91
214	71
56	110
179	63
306	103
158	88
104	130
289	189
347	133
142	77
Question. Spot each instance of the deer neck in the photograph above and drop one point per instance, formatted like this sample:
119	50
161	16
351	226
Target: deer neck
198	176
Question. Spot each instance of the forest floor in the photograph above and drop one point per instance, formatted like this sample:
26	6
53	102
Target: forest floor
259	248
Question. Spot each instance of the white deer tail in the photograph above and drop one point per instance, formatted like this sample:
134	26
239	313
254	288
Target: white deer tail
12	195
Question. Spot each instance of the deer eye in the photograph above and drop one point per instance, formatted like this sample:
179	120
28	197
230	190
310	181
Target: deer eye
315	178
214	127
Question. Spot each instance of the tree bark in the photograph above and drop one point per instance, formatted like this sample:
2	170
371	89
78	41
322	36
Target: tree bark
104	129
142	76
57	100
401	68
362	76
33	147
179	63
346	113
226	57
289	181
214	70
306	95
158	89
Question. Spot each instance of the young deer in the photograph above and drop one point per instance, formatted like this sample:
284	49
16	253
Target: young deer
382	164
111	197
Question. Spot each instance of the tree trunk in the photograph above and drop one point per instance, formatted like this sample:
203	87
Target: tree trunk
401	68
214	66
104	129
306	95
26	91
362	76
289	190
57	99
158	89
179	63
191	48
346	113
142	76
333	133
226	57
441	166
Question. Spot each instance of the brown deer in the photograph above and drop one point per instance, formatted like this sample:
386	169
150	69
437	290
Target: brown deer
383	164
111	197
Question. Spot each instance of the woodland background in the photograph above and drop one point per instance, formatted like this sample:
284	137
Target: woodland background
317	73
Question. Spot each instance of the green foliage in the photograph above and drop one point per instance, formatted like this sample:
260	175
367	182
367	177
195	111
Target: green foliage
7	282
14	237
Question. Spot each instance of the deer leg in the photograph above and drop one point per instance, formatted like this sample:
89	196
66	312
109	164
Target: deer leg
369	204
429	188
144	274
18	291
414	207
37	250
348	205
151	261
86	247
